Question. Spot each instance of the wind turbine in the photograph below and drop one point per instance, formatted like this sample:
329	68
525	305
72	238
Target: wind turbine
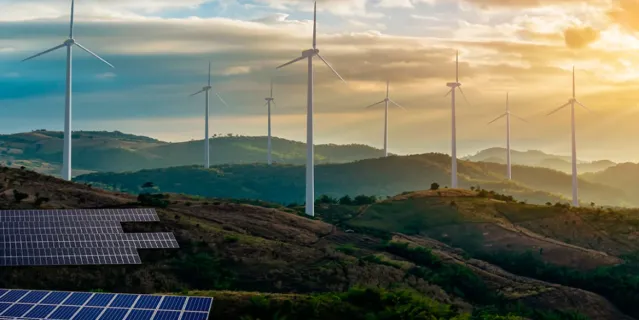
69	43
309	55
270	99
454	159
507	114
206	116
574	169
386	101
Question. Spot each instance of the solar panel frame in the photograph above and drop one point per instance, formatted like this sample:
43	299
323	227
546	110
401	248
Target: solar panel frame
121	215
81	309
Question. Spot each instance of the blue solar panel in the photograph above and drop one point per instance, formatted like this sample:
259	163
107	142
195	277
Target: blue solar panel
25	304
172	303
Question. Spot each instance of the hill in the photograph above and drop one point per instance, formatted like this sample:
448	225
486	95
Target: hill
115	151
264	261
536	158
622	176
381	177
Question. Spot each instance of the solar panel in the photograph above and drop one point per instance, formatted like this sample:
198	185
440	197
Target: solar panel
160	240
76	237
27	304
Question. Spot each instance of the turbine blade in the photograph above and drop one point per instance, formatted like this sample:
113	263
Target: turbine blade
464	96
209	82
558	109
95	55
401	107
223	102
498	118
71	23
582	105
314	23
44	52
520	118
373	105
291	62
201	91
271	92
448	92
273	103
330	67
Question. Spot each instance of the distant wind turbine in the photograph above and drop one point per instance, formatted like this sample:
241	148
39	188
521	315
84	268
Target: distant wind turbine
507	114
574	169
454	158
270	100
69	43
309	54
386	101
206	116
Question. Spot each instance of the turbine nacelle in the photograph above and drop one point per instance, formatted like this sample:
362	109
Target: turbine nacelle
207	88
69	42
310	53
453	84
269	99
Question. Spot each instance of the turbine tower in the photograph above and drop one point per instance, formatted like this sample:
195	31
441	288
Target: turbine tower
454	159
206	90
574	169
309	55
69	43
507	114
386	118
270	100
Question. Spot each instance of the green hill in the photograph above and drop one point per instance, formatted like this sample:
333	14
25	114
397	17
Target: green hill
115	151
380	177
536	158
623	176
263	261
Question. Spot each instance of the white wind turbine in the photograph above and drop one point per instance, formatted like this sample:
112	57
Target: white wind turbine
309	55
69	43
574	170
507	114
386	101
454	158
270	100
206	116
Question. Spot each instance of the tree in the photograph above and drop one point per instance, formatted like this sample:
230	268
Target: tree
346	200
326	199
435	186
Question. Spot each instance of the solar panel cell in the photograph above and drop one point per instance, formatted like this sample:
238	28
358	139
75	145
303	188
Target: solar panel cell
100	300
194	316
77	299
114	314
40	311
17	310
13	295
124	301
138	314
33	296
63	312
88	313
4	306
56	297
198	304
172	303
147	302
166	315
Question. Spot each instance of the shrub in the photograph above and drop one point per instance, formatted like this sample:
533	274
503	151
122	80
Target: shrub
435	186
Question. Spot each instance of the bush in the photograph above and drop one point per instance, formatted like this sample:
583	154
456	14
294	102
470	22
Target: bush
153	200
19	196
346	200
435	186
364	200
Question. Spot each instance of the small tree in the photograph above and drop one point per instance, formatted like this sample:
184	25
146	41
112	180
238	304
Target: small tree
346	200
435	186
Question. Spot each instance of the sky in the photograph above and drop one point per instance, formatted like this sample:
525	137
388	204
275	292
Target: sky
161	50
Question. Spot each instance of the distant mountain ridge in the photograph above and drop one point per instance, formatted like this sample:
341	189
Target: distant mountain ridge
537	158
380	177
118	152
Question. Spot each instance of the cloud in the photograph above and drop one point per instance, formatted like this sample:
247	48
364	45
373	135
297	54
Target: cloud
625	13
577	37
236	70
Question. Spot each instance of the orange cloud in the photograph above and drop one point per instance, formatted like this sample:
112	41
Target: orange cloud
577	38
625	13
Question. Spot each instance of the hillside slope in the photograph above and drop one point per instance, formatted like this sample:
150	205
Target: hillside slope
623	176
380	177
311	264
536	158
116	151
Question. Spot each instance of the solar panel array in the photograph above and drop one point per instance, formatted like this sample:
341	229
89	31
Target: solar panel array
26	304
76	237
